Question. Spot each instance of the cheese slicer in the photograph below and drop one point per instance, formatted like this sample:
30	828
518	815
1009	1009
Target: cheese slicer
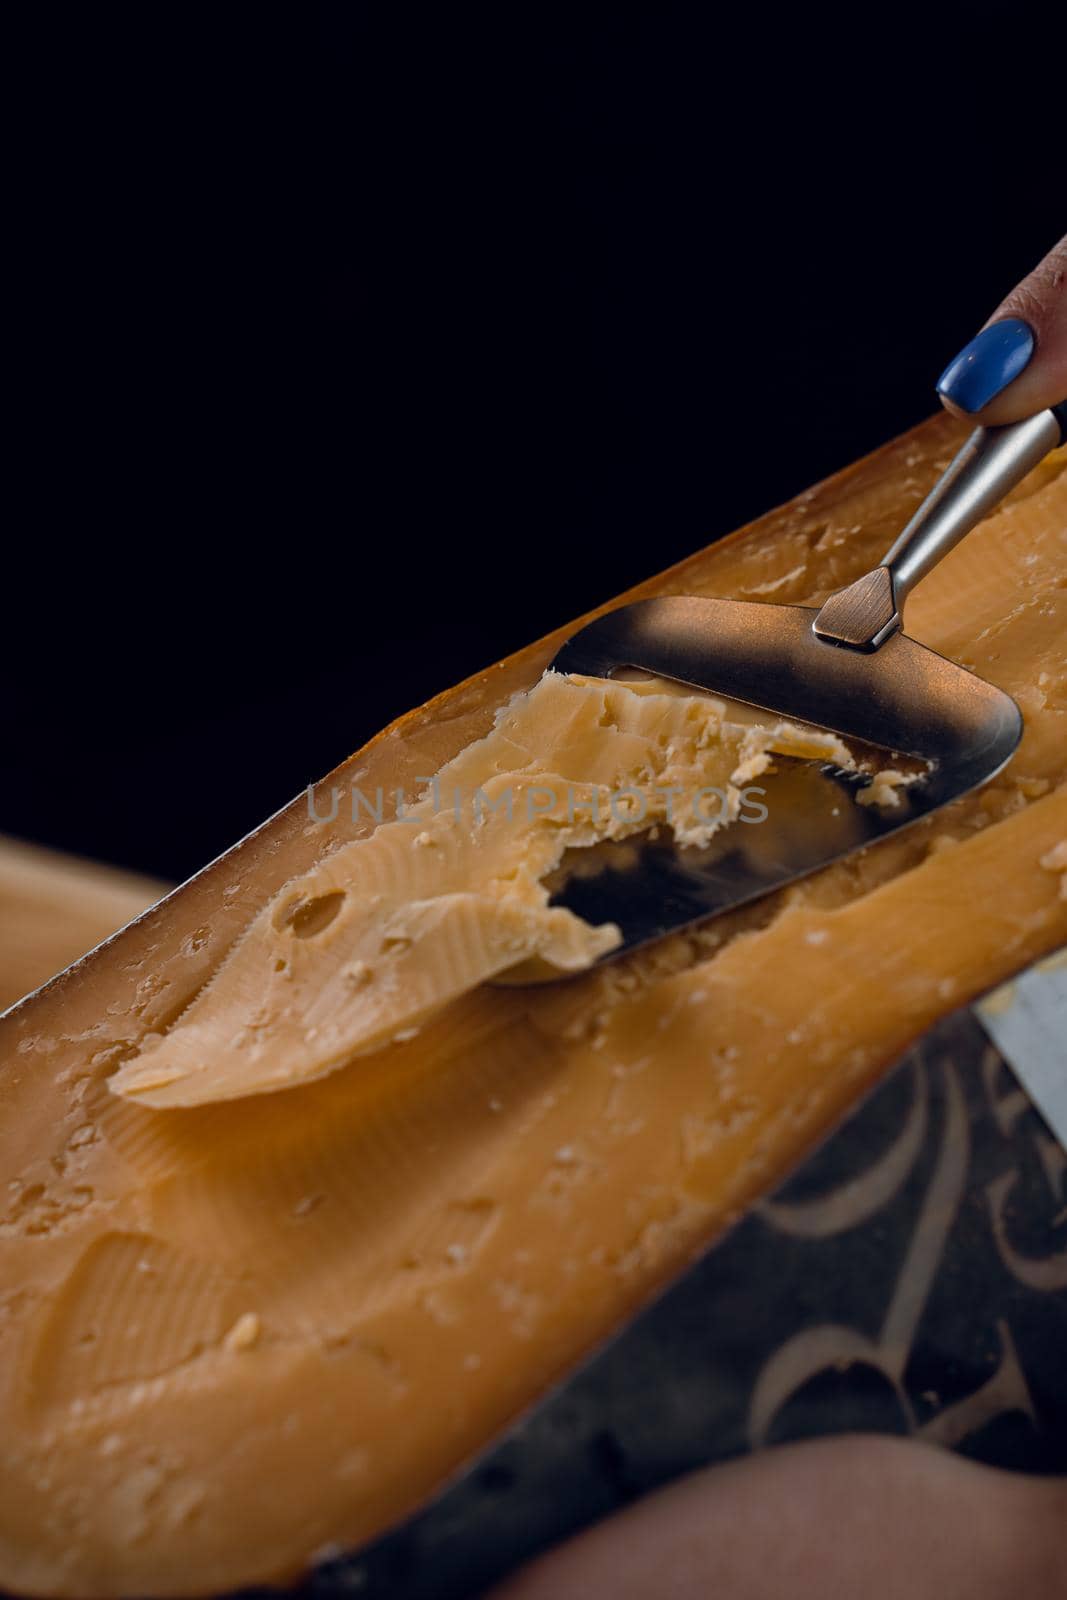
846	668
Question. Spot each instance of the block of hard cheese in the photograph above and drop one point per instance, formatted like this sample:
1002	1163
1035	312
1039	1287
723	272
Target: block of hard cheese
240	1330
53	908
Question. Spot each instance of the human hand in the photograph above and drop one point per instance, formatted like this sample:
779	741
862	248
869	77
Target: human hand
881	1518
1017	364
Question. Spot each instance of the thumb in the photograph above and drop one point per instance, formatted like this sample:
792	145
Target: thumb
1017	364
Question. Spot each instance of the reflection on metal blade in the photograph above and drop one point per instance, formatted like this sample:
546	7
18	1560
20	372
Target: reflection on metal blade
649	886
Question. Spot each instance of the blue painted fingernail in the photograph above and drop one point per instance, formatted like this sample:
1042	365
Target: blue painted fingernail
993	359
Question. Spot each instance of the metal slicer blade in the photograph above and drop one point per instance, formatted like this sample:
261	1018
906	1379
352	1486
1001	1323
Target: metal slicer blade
848	668
903	699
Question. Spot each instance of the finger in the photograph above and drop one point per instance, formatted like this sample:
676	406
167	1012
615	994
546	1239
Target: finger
1017	364
879	1518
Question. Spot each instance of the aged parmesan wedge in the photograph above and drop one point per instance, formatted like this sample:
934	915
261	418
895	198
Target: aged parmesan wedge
234	1334
388	929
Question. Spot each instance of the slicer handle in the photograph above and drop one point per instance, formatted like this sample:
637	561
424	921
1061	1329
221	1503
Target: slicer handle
989	465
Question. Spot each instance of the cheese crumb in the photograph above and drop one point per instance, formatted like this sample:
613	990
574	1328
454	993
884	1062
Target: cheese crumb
244	1333
1055	860
884	788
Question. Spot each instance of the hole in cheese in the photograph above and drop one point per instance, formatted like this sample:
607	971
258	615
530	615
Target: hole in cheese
306	918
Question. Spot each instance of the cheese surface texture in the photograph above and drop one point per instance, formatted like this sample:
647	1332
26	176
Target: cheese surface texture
247	1319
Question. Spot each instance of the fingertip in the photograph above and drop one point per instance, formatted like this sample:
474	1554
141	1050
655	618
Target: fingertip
1016	365
986	366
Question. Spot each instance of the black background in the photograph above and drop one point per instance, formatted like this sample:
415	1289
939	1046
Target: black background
357	345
